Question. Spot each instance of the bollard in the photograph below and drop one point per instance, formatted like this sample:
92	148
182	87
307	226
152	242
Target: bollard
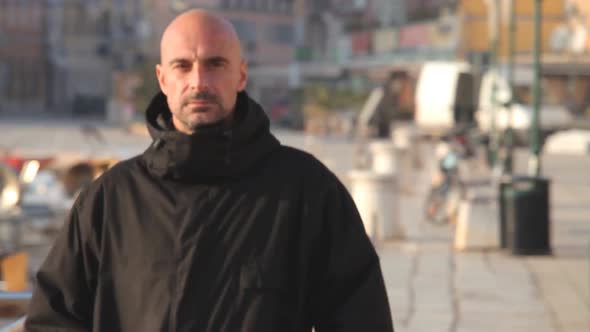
373	194
402	135
476	226
407	138
383	157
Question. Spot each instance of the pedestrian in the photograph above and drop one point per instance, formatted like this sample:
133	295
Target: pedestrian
216	226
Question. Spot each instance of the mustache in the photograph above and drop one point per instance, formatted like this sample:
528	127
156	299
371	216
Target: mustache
202	96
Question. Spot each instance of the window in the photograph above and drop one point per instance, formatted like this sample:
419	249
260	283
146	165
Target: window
2	13
25	14
23	73
69	20
25	77
35	77
246	30
15	79
280	33
10	12
34	14
4	72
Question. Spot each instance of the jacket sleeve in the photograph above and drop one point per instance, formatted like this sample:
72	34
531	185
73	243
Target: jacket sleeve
349	292
63	296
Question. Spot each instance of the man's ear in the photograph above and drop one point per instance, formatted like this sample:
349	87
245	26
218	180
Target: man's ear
161	78
243	75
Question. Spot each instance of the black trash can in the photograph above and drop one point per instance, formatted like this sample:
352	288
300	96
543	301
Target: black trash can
527	214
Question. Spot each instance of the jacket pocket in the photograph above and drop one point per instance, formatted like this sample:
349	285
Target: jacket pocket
264	296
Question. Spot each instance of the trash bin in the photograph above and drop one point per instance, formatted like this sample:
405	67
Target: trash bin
526	203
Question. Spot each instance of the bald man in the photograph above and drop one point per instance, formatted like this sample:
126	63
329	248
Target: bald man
216	226
201	70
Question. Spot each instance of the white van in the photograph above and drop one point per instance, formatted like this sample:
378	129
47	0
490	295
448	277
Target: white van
444	96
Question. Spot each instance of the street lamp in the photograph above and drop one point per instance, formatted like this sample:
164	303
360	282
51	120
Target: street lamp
509	138
534	161
494	35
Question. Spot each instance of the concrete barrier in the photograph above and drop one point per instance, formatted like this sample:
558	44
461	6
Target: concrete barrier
402	136
374	195
383	157
477	223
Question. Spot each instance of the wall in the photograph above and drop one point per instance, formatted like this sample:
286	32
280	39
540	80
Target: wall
23	71
475	36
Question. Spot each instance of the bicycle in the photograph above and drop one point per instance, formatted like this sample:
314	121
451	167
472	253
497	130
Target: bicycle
446	193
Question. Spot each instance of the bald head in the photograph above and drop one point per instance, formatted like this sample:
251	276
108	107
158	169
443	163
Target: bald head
199	23
201	69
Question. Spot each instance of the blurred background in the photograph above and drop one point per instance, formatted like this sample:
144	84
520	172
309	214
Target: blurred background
309	60
438	94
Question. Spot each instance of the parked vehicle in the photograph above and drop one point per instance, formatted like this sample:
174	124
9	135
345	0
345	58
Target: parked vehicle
445	97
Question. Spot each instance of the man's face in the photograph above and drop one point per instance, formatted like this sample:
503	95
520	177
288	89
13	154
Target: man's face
201	73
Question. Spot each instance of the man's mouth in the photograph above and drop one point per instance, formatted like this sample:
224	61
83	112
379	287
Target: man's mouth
200	102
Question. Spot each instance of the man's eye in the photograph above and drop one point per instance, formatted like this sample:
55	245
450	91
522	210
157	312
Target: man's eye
217	64
181	66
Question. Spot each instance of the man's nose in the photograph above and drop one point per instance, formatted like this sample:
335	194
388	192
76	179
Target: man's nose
198	78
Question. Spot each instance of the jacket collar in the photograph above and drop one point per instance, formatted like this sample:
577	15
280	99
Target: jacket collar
217	151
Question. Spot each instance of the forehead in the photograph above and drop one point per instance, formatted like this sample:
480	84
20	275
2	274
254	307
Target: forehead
199	45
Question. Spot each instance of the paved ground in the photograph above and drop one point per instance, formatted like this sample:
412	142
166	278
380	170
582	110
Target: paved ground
434	288
431	287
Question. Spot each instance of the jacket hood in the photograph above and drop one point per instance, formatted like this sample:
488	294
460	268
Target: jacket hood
216	151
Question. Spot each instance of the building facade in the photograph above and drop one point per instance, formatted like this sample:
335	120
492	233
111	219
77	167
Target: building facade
77	57
265	27
579	23
24	62
475	37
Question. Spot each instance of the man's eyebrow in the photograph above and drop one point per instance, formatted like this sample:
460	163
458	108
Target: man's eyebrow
209	60
178	60
216	59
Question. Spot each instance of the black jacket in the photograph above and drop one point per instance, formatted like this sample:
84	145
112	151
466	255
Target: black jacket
223	230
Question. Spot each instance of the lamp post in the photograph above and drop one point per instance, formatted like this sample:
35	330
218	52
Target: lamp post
509	138
535	161
493	26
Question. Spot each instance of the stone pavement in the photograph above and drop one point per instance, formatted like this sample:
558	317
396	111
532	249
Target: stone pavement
431	287
564	279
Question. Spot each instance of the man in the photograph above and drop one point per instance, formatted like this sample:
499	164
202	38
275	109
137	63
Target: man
216	226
